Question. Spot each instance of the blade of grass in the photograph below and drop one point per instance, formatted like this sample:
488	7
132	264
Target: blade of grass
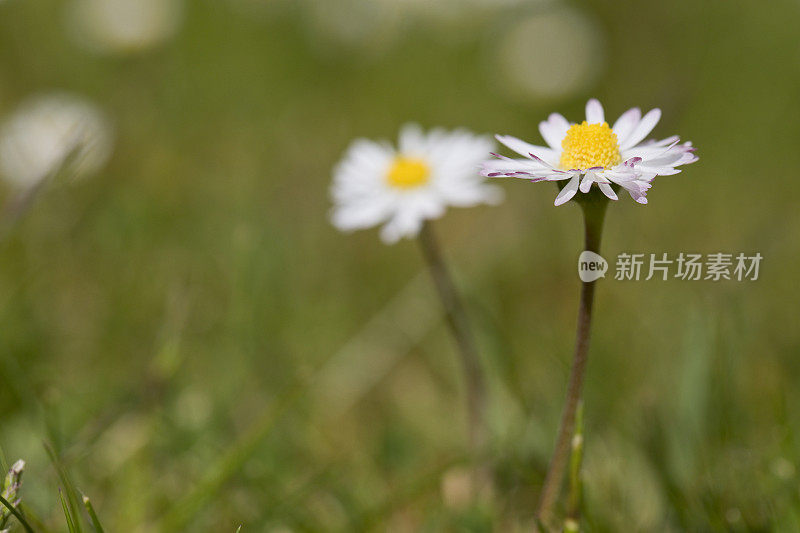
13	510
67	514
69	488
92	515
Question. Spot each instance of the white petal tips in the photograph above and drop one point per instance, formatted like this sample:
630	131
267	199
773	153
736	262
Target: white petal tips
568	191
594	112
642	129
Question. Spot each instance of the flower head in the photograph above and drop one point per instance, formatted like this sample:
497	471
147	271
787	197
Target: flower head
404	186
594	152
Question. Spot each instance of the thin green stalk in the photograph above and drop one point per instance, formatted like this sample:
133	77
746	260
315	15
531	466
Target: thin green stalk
92	515
13	510
461	330
68	514
572	522
594	209
69	488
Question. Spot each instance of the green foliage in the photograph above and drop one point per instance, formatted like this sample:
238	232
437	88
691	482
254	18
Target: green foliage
201	349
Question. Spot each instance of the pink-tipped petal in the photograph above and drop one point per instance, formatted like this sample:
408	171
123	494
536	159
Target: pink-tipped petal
608	191
524	148
594	112
568	191
553	130
642	129
586	184
626	123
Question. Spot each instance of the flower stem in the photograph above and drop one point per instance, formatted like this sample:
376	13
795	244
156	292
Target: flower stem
594	210
462	333
575	481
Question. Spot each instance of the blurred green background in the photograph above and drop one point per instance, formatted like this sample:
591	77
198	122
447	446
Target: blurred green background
204	350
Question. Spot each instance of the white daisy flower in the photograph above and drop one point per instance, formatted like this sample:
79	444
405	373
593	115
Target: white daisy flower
376	183
592	152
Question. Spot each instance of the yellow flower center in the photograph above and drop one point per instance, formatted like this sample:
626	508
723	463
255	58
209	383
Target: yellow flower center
589	145
408	172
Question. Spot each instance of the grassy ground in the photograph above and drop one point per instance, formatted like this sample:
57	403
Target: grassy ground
203	350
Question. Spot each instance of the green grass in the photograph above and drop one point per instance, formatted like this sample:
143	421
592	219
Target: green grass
202	350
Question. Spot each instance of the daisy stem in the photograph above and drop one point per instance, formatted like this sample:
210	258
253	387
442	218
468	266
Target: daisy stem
461	330
594	210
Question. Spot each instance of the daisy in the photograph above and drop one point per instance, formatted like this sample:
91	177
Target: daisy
592	152
402	187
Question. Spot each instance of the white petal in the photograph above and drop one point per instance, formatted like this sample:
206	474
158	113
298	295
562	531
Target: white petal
470	195
525	149
664	164
586	183
363	214
369	153
364	161
668	159
514	168
411	212
594	112
568	191
392	231
512	165
608	191
412	140
553	130
636	185
559	176
642	129
626	123
457	156
662	171
667	141
645	151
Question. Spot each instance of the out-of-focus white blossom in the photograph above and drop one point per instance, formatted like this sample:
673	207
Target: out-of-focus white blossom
373	27
376	183
556	53
123	26
48	131
367	28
